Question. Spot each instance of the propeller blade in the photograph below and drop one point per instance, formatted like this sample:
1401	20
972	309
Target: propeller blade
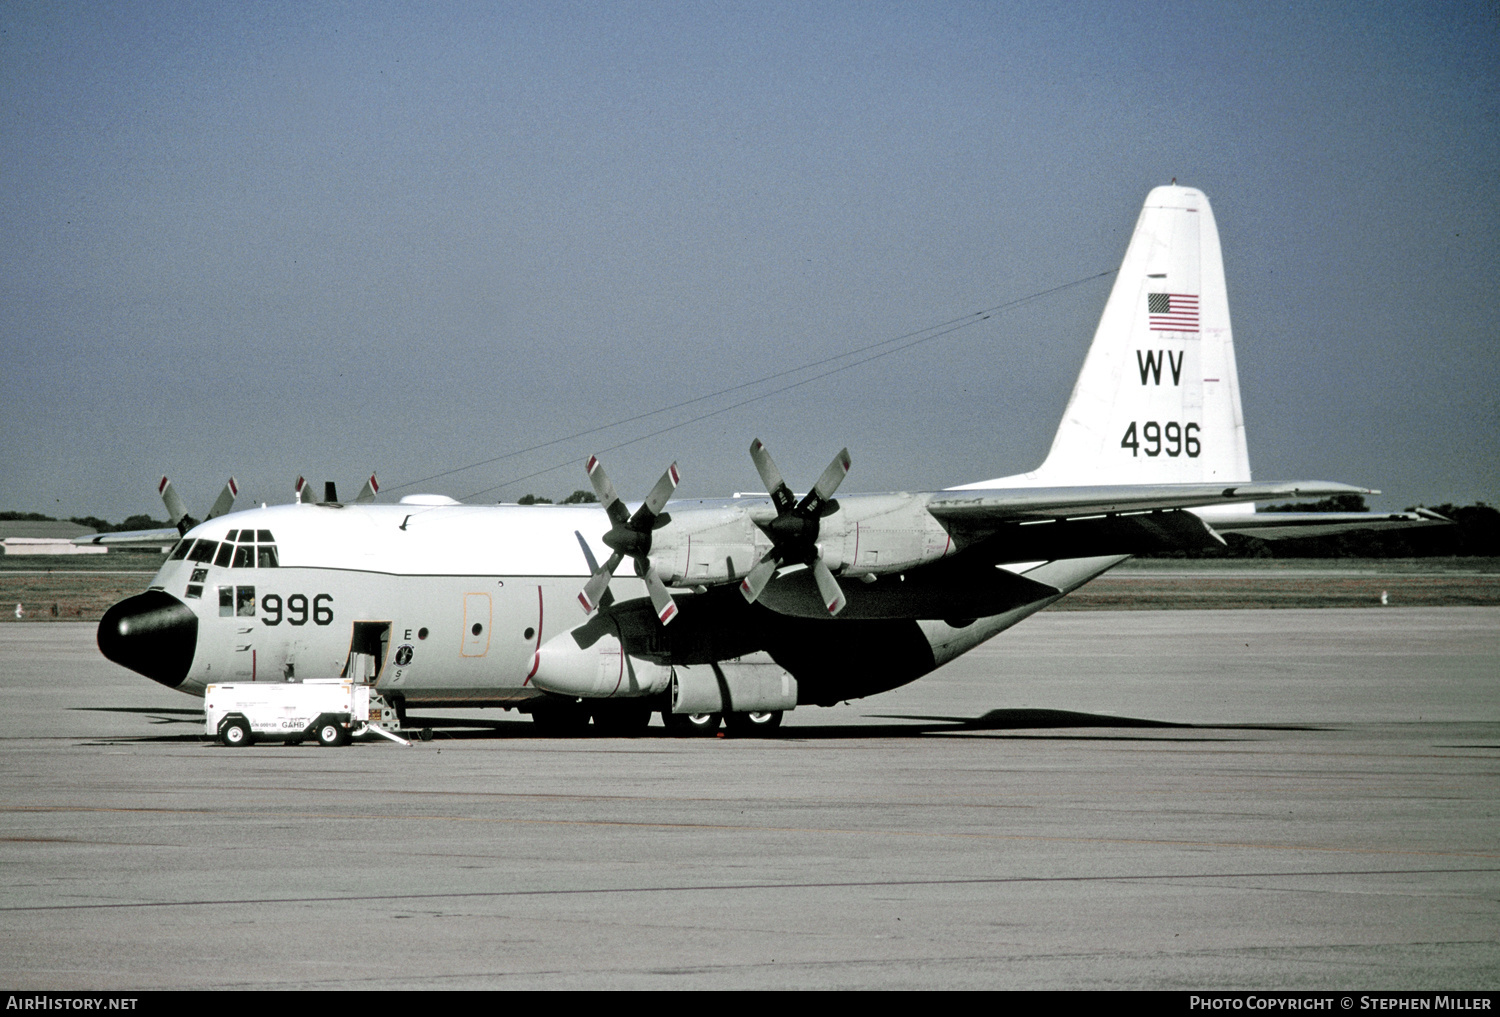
666	607
593	592
606	491
368	492
303	491
654	502
177	512
828	588
225	501
781	495
629	536
827	484
752	585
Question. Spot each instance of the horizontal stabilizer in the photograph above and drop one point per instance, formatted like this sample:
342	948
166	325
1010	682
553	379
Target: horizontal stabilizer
1283	525
1065	502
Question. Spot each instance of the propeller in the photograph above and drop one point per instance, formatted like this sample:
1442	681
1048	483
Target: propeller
304	492
794	531
630	536
177	510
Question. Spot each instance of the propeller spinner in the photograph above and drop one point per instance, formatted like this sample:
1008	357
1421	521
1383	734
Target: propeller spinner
630	536
794	531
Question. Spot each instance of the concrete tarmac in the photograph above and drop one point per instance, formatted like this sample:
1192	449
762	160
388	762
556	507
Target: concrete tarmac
1300	799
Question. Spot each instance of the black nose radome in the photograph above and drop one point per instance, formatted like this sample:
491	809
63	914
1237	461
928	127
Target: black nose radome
153	634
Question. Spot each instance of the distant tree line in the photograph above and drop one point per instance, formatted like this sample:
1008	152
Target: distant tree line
576	498
94	522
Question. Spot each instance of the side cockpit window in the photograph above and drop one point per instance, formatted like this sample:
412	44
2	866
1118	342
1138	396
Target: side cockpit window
202	550
180	551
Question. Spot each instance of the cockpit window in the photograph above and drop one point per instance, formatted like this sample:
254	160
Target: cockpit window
224	554
203	550
231	534
244	557
264	536
266	556
180	551
247	536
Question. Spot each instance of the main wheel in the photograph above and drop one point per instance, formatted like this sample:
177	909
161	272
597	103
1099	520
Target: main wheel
759	723
331	735
235	733
624	718
703	725
561	718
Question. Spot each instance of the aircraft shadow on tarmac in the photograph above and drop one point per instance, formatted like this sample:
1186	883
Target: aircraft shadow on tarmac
1013	723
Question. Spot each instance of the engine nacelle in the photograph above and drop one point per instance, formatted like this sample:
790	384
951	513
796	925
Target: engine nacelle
890	534
703	547
719	545
601	670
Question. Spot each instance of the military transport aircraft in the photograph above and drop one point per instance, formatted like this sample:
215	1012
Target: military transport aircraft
740	609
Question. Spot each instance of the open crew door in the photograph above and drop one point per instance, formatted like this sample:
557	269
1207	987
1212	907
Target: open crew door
367	651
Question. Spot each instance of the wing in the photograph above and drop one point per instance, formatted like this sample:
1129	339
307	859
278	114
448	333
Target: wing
126	540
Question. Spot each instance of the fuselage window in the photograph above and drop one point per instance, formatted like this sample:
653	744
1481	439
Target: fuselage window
203	550
244	601
244	557
180	551
266	556
224	554
226	602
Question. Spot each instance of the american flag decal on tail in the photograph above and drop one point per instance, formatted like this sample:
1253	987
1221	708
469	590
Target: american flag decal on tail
1173	312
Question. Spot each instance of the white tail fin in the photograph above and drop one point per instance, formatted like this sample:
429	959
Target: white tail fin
1158	399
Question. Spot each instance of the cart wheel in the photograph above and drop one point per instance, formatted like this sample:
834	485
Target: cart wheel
331	735
235	733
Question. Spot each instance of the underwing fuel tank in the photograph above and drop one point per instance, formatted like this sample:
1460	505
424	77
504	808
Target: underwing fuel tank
601	670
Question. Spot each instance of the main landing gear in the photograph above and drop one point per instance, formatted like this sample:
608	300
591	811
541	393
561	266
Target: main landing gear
702	725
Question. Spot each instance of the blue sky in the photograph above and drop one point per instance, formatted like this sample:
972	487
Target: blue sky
325	239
